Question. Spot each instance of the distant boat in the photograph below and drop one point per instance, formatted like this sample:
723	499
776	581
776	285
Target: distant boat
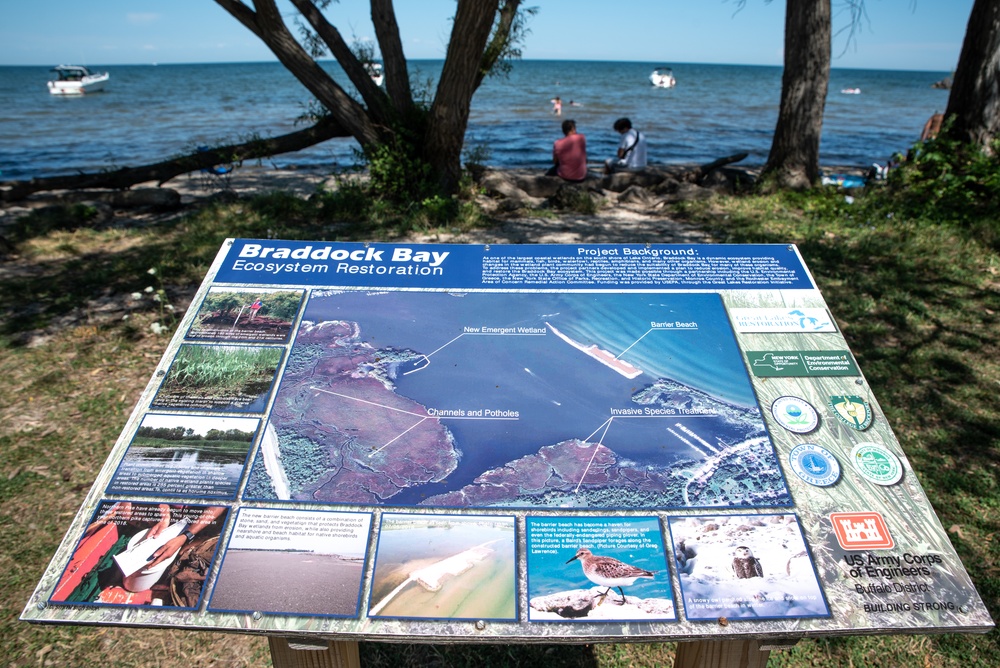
375	72
851	91
663	77
76	80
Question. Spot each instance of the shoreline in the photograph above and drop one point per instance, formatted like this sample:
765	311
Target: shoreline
304	180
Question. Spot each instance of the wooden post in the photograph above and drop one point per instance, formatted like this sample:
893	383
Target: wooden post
296	653
721	654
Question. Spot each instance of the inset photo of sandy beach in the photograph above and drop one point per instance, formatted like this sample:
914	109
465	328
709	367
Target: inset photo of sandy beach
293	563
445	567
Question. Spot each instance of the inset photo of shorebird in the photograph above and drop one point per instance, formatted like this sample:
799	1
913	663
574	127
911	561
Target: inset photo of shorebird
745	566
597	568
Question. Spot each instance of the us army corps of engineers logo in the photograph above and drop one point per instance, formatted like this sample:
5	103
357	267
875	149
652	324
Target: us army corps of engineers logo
852	410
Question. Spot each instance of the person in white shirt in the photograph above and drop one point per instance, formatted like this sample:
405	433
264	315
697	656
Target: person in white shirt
631	149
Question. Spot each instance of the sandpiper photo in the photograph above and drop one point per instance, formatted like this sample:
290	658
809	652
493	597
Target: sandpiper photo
597	568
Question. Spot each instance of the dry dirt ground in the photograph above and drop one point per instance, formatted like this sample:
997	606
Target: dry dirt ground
613	223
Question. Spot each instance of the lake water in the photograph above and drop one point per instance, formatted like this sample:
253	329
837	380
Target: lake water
149	113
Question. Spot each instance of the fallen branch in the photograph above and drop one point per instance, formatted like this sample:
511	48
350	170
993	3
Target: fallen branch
696	175
161	172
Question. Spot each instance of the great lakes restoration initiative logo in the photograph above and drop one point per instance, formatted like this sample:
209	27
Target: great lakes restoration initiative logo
781	320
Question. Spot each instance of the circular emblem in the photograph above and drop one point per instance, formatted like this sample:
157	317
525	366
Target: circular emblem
877	464
816	465
852	410
795	415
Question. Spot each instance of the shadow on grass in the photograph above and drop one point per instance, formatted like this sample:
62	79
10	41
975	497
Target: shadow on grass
919	309
386	655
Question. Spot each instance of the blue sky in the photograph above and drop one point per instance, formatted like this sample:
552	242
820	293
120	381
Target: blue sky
899	34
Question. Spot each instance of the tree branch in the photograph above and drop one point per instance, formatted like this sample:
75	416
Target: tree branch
353	68
271	28
397	76
241	13
163	171
502	38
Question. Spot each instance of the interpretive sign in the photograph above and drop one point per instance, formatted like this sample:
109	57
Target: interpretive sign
479	442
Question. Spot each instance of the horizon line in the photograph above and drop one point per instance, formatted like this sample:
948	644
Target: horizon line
659	63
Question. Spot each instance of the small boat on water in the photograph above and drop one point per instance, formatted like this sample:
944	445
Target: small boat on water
76	80
375	72
663	77
851	91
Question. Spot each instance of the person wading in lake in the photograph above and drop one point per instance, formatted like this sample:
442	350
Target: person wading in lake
569	154
631	149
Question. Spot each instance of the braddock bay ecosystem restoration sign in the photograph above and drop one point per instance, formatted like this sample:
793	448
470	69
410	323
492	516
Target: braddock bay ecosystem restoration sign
384	441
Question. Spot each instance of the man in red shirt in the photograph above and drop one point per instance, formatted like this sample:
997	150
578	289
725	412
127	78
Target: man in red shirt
570	154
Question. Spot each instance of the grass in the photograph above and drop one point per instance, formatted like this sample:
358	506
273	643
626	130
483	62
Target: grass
917	299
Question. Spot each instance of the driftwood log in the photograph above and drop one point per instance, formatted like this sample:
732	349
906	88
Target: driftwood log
162	172
697	174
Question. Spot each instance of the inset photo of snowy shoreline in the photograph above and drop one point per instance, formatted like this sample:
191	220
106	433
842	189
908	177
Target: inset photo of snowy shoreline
745	567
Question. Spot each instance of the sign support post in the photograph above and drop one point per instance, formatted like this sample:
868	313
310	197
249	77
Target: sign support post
721	654
306	653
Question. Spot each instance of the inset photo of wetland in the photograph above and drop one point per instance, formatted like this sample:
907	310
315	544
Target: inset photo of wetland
220	378
259	315
445	567
186	455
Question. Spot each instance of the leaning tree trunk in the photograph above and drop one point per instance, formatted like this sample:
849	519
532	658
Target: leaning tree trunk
794	159
163	171
974	101
449	113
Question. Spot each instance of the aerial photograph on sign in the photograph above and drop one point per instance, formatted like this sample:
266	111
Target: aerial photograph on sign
445	567
560	400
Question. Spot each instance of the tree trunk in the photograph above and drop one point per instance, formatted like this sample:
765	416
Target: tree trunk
974	101
794	159
449	114
168	169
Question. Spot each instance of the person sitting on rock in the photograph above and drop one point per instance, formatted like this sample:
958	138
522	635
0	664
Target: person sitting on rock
569	154
631	149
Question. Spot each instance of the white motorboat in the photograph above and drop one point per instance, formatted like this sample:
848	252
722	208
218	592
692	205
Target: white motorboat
663	77
375	72
76	80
